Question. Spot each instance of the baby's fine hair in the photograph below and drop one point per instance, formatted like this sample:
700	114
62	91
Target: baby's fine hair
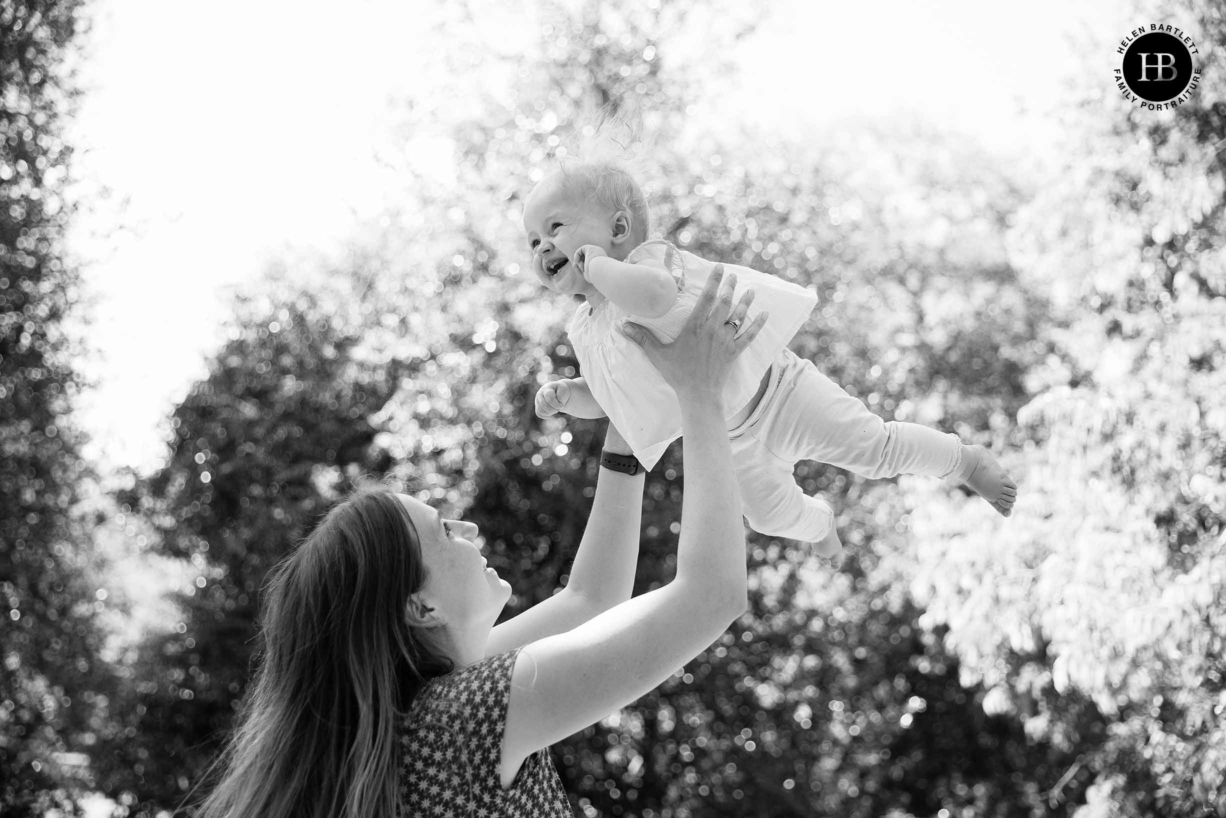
596	161
610	185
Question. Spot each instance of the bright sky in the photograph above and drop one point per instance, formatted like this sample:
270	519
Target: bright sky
236	135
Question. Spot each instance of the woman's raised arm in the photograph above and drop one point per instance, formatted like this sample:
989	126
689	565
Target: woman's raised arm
568	681
603	572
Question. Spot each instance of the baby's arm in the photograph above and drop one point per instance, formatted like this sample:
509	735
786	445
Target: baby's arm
644	289
571	396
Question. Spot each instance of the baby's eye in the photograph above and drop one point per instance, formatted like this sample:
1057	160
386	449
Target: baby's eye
553	227
447	529
533	244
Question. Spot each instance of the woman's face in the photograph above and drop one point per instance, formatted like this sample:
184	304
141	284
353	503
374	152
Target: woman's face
460	586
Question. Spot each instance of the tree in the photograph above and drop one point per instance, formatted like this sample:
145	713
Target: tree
1107	584
279	429
51	640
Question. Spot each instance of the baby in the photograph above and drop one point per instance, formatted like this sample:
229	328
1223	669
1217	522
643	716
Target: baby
587	226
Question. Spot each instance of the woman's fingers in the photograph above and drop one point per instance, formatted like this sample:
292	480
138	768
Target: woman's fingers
723	304
705	303
736	318
747	334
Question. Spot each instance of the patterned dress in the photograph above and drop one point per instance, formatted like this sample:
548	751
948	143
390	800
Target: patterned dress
451	752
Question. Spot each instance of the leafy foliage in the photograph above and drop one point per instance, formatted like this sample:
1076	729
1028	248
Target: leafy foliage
1108	582
50	640
279	428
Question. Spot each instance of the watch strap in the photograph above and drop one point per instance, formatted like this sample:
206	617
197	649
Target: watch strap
624	463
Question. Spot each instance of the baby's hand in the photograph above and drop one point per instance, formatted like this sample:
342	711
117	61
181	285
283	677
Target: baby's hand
552	398
585	254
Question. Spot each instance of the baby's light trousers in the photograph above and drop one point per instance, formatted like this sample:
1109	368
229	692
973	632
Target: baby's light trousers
804	415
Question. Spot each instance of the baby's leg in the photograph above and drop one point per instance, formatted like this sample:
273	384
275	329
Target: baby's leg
813	418
927	452
980	472
816	419
774	505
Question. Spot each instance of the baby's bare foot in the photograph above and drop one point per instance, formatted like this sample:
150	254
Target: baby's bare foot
988	479
829	545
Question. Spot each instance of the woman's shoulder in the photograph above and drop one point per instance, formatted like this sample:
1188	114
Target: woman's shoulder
483	681
451	763
489	670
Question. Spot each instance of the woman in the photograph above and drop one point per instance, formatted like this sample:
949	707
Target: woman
387	689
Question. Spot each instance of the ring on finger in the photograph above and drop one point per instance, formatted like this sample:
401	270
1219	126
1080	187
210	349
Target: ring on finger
736	325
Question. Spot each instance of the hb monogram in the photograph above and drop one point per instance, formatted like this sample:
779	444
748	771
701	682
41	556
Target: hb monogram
1164	62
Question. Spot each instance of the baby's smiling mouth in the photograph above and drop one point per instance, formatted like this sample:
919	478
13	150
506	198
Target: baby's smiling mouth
554	266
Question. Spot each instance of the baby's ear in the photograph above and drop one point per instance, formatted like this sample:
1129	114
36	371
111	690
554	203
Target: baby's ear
623	225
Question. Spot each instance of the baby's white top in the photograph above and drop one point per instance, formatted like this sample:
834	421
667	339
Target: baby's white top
637	399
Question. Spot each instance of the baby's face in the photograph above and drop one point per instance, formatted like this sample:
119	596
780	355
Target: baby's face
556	224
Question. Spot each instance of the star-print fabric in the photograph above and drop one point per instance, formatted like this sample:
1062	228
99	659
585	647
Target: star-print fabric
451	752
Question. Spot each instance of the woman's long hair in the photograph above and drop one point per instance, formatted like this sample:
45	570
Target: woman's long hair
317	735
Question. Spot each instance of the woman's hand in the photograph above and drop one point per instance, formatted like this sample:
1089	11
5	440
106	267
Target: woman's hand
699	360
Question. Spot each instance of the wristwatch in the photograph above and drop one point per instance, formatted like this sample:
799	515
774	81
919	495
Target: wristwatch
624	463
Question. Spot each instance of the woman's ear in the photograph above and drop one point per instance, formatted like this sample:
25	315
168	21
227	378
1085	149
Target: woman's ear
623	225
422	615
